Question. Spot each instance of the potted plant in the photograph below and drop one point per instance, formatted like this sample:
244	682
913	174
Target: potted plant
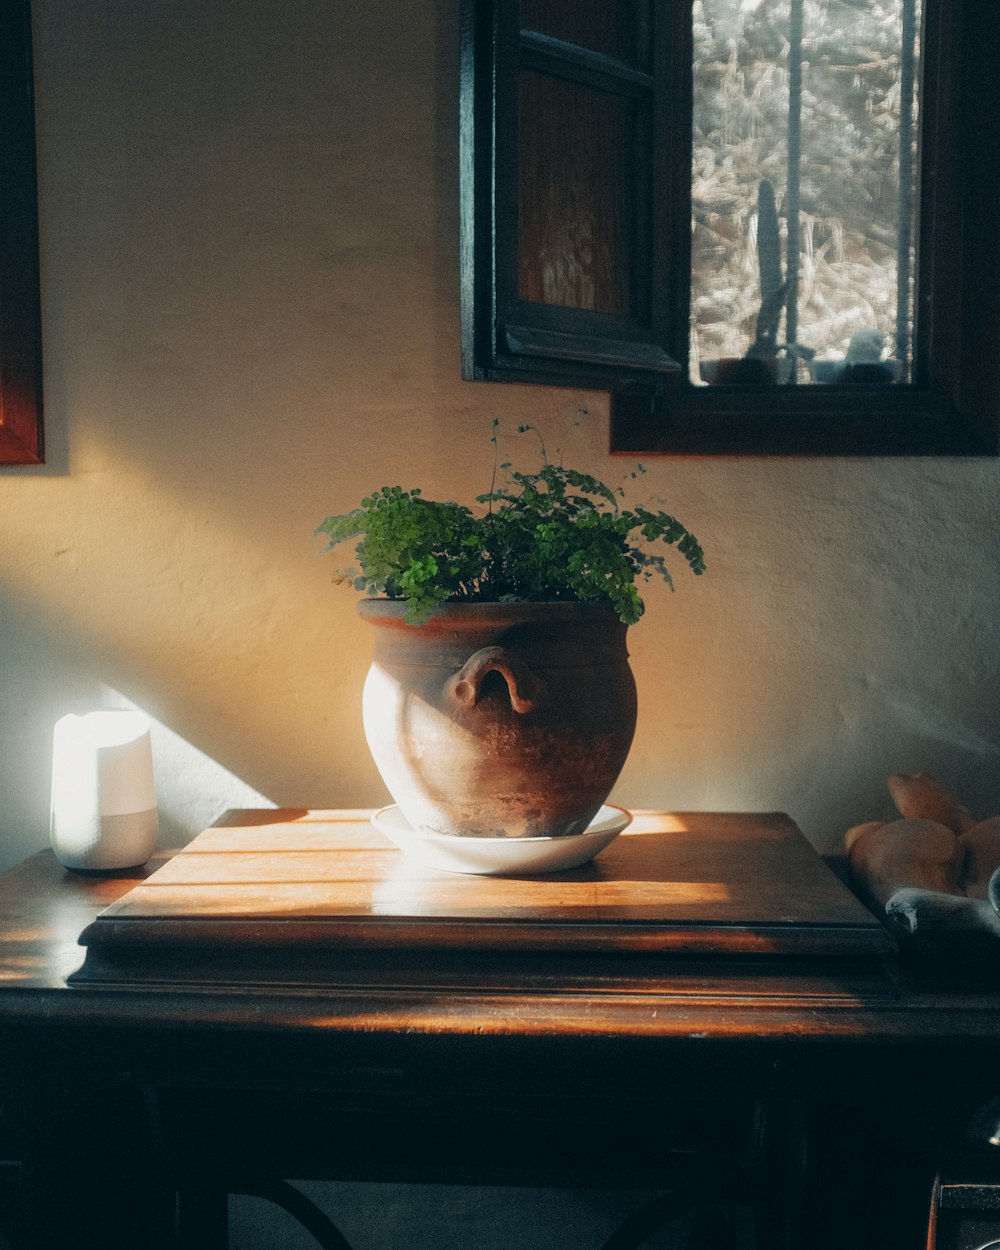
500	702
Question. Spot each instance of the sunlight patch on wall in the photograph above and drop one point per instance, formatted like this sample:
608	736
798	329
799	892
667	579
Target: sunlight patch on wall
209	787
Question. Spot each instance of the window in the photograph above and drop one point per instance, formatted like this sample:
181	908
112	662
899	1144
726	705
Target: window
765	228
20	333
803	191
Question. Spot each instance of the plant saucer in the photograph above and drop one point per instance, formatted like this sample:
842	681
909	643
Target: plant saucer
502	856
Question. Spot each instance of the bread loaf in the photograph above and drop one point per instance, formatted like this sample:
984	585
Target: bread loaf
918	796
919	853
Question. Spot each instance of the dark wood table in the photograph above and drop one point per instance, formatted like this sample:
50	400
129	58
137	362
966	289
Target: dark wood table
705	1010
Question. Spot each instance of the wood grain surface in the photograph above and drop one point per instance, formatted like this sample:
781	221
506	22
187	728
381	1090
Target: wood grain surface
308	881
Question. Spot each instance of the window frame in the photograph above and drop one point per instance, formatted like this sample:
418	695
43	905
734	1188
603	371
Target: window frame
21	440
952	406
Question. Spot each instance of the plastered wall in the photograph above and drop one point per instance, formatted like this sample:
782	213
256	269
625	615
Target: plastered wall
250	286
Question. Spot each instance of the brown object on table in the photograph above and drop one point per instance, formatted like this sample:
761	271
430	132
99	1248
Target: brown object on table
904	853
861	831
499	719
919	796
303	889
928	877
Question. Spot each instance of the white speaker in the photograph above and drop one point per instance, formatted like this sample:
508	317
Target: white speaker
104	813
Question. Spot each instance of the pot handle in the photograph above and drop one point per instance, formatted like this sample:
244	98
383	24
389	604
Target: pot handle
466	682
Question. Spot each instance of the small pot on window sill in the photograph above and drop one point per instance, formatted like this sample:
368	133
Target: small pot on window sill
745	371
857	373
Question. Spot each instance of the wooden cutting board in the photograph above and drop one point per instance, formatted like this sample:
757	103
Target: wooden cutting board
271	891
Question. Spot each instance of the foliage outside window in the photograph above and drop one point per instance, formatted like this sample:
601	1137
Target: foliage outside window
803	189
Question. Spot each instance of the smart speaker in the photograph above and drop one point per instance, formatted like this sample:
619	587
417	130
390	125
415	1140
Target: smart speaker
103	798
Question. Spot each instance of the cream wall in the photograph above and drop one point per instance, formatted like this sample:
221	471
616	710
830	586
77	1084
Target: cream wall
249	261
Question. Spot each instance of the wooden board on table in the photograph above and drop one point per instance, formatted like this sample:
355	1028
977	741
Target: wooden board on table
280	886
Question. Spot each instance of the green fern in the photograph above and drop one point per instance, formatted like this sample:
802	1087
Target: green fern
554	534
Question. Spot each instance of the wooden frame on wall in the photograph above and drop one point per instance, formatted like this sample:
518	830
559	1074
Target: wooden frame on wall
20	303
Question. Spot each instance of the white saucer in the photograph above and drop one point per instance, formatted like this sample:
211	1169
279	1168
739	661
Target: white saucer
499	856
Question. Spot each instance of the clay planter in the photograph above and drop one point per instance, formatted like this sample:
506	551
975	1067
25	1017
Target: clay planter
499	720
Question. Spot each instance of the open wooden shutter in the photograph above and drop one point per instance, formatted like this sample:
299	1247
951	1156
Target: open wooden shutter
562	281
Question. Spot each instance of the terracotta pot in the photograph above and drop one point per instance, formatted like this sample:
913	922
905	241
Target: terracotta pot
499	719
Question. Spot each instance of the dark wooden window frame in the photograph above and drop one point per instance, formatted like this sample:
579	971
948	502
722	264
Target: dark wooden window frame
952	407
20	316
506	338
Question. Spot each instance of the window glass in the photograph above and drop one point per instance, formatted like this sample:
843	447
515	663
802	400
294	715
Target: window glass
575	218
803	190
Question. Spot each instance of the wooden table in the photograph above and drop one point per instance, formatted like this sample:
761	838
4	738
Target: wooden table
705	1008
